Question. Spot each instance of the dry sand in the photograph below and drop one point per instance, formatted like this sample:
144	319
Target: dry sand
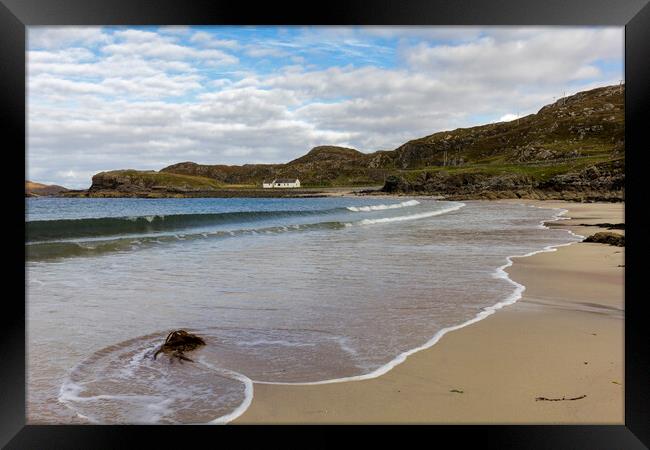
564	338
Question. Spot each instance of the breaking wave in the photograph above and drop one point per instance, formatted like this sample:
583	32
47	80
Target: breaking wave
44	230
383	207
412	216
53	239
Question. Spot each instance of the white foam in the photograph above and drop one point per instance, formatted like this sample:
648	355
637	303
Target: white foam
248	394
411	216
382	207
150	408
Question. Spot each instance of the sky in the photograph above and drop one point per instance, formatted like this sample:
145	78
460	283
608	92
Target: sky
106	98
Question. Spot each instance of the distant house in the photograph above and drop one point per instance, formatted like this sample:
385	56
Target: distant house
282	183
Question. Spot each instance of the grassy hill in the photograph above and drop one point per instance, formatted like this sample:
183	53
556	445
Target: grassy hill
33	189
137	181
574	144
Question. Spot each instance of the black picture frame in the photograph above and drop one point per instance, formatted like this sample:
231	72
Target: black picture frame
16	15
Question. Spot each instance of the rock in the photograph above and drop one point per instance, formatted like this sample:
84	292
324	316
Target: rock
607	237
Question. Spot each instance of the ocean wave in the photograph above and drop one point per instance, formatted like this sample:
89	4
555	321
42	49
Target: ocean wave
411	216
44	250
48	250
45	230
383	207
98	227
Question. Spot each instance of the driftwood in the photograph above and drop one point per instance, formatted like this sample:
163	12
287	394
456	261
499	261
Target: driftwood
177	343
558	399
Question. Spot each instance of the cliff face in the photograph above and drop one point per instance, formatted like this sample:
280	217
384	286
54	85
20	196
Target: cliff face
573	148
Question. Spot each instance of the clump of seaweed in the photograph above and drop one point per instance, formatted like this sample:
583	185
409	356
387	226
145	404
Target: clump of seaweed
177	343
558	399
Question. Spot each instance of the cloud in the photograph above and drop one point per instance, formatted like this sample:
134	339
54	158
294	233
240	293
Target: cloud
545	57
210	40
148	44
508	117
39	37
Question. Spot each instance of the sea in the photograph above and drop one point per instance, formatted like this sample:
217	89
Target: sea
283	291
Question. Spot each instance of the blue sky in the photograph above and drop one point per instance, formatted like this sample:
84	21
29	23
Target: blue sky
102	98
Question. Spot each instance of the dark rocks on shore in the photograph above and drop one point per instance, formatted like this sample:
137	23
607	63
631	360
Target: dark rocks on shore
609	226
607	237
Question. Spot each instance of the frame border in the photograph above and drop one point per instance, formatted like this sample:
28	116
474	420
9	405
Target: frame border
16	15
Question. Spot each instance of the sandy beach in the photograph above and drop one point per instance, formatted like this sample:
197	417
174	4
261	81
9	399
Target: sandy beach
563	338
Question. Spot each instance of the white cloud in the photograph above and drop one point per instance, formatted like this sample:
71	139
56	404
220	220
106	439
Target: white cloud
209	40
544	57
147	44
39	37
508	117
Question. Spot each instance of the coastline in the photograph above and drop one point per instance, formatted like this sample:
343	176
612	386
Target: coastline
564	338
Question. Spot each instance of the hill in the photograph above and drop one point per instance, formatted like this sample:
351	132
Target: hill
573	148
33	189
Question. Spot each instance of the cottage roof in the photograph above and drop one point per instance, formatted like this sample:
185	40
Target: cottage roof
285	180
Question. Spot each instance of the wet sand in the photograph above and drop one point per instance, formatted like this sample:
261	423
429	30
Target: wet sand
564	338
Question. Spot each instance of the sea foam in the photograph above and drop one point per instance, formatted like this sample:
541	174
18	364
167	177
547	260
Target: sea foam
412	216
383	207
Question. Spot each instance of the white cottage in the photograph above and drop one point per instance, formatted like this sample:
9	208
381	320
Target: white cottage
282	183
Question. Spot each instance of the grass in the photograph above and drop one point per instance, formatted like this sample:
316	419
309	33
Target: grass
164	179
537	171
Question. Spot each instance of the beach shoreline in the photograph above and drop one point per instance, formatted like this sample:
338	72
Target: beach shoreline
564	339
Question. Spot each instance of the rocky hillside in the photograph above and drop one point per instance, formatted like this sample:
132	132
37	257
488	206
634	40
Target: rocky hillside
33	189
573	148
586	124
322	166
137	182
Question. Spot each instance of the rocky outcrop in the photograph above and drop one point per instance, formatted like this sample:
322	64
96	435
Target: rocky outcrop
141	183
607	237
602	182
